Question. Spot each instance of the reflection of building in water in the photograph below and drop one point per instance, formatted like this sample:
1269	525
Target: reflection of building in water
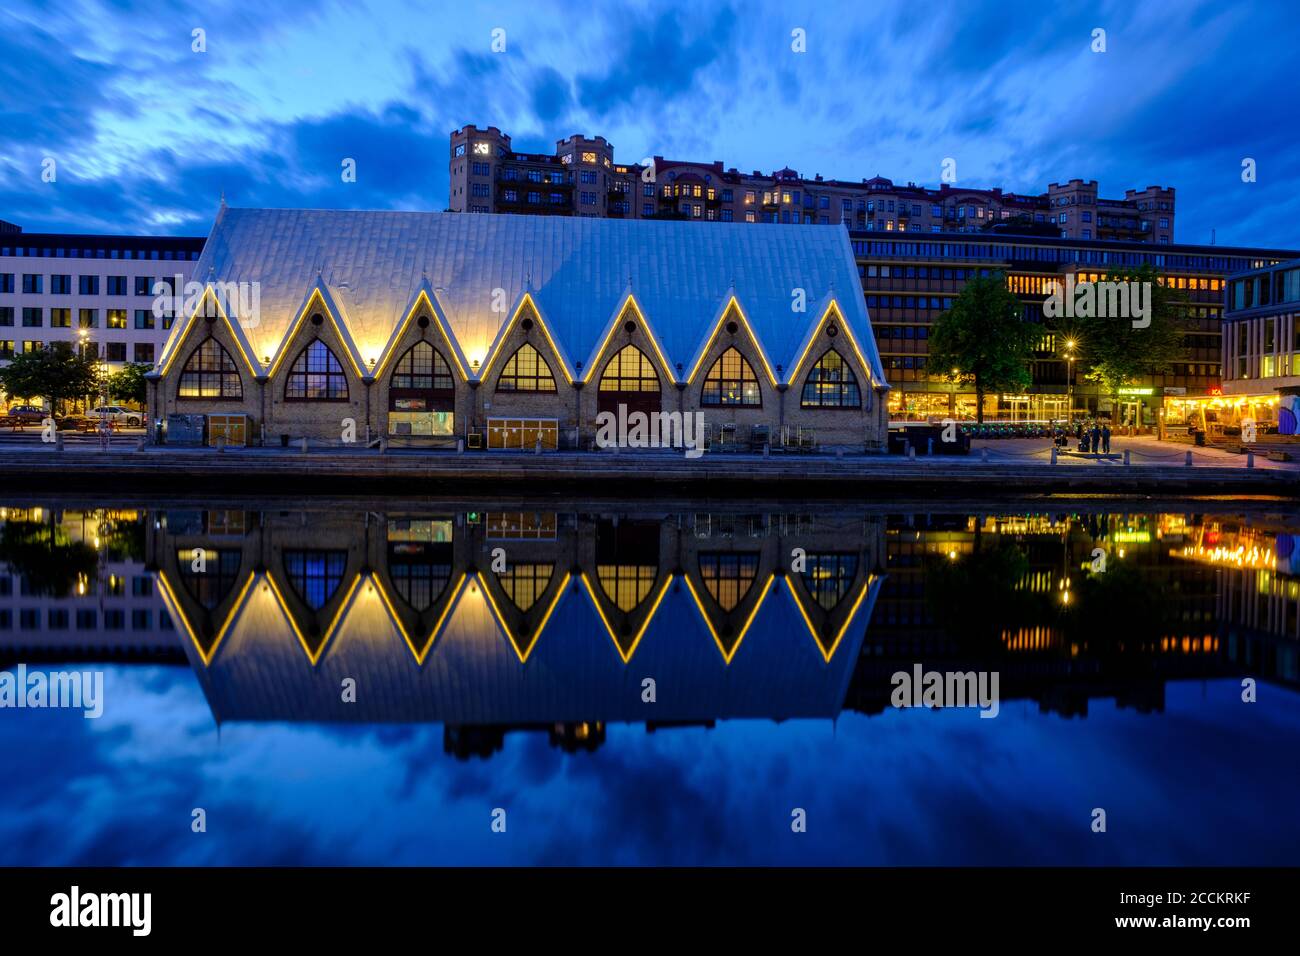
72	584
1257	570
1031	577
503	620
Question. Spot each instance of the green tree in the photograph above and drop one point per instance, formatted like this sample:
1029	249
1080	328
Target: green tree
984	341
127	384
1113	352
56	374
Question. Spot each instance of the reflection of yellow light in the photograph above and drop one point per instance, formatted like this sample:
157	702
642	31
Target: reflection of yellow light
727	657
829	652
645	624
1065	597
952	555
520	652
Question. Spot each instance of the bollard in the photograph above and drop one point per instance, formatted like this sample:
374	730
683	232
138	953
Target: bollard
984	454
537	446
1250	459
58	441
767	449
1053	454
1188	460
460	446
139	444
304	445
383	445
911	450
929	446
1127	461
221	444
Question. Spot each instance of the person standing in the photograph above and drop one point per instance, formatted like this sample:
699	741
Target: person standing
1105	438
1096	437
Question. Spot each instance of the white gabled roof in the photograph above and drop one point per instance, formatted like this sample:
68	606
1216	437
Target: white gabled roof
371	267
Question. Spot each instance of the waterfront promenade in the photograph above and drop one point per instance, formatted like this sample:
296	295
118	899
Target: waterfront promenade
1012	467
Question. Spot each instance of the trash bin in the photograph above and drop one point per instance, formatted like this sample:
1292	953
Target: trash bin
284	441
1200	439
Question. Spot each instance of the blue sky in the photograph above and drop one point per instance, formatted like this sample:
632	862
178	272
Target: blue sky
146	133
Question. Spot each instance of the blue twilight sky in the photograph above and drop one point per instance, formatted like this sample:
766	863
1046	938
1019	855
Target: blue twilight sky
147	133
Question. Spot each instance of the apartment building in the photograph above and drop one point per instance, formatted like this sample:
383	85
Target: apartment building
95	292
581	178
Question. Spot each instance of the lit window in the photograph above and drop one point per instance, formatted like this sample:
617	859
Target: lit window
629	371
831	384
316	376
422	367
526	371
731	381
210	373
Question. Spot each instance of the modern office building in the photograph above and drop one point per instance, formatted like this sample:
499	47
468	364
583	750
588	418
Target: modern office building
581	178
521	331
95	292
909	282
1261	354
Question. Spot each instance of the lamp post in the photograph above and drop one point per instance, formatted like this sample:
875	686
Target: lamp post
1069	383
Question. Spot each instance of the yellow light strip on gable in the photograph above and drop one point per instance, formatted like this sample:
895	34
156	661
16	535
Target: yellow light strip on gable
189	324
833	307
446	335
767	586
636	640
500	618
828	654
275	590
713	337
501	340
649	334
174	606
420	655
302	317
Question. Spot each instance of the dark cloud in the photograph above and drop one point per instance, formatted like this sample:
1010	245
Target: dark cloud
655	60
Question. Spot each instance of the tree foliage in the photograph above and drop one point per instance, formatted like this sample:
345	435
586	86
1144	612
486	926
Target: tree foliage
127	384
55	374
985	339
1113	353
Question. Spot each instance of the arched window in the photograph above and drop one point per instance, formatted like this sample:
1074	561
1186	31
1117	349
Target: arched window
421	394
210	373
422	368
526	371
731	381
831	384
728	576
315	575
829	576
316	376
629	379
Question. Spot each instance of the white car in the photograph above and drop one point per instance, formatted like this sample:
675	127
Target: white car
118	414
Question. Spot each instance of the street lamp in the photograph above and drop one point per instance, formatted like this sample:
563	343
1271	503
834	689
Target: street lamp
1069	383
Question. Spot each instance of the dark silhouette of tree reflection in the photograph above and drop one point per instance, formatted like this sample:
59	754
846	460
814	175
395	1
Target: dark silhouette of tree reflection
44	554
977	596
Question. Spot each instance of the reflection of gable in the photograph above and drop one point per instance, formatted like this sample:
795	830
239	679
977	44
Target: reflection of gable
475	671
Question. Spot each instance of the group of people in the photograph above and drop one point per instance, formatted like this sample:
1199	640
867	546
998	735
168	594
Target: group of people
1093	435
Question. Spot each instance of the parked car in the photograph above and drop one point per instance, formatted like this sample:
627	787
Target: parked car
118	414
32	412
